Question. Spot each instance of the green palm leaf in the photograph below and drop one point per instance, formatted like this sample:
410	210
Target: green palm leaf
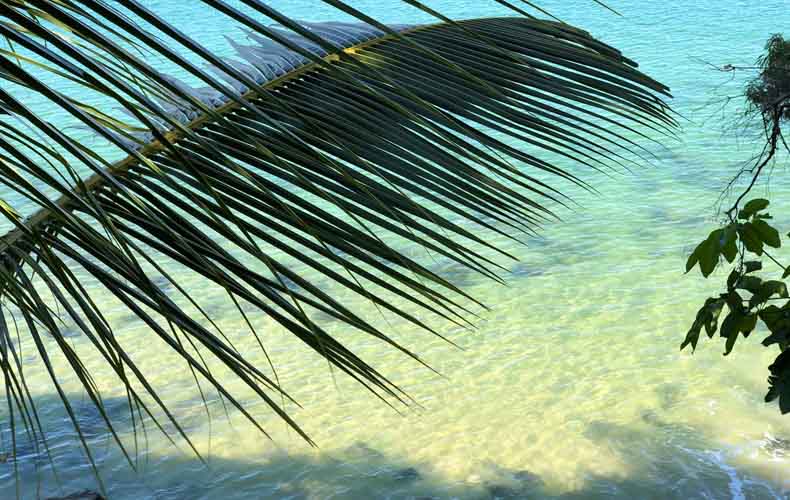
318	143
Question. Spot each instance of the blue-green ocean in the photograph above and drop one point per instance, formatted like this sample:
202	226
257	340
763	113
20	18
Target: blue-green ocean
572	386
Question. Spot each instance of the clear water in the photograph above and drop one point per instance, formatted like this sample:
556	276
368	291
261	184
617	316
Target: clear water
572	385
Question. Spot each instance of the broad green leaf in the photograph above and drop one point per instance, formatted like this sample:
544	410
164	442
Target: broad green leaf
747	323
752	266
692	337
752	207
714	308
729	330
750	283
709	255
729	248
693	258
772	316
767	290
780	337
734	301
751	239
768	234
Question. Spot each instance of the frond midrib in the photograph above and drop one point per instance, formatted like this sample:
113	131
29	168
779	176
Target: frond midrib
39	219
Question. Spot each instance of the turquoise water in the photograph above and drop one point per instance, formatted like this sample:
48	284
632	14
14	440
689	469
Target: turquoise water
572	385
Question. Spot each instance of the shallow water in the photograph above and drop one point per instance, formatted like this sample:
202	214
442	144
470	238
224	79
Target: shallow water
571	386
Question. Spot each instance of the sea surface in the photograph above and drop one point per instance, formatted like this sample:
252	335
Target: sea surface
571	386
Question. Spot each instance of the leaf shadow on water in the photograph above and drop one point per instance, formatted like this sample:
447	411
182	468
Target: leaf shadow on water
29	460
664	460
525	270
681	167
456	273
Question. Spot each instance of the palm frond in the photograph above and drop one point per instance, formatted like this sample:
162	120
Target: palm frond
319	143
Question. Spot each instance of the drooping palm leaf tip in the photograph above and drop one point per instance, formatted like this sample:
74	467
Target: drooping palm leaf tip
315	143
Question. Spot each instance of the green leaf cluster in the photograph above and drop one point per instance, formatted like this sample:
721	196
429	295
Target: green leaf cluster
749	298
751	230
771	85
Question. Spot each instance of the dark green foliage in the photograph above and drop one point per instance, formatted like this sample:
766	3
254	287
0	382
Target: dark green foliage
748	298
780	382
751	234
772	85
